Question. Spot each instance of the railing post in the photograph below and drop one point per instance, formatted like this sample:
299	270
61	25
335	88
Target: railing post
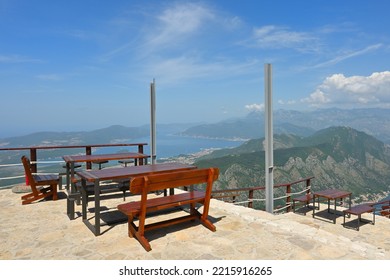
88	151
288	199
33	159
308	186
250	198
141	151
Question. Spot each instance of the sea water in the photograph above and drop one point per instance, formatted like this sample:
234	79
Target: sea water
171	145
168	145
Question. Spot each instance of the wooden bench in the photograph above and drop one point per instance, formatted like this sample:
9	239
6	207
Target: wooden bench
37	182
383	207
385	211
152	183
303	199
358	210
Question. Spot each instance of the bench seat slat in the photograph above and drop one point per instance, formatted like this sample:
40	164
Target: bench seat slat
304	198
46	179
159	203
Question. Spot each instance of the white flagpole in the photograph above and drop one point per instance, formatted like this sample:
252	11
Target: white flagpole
153	121
269	158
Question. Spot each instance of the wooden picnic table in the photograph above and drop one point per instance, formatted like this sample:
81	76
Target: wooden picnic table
358	210
331	194
96	176
71	160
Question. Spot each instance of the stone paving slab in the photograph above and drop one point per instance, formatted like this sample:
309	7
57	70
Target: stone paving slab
42	231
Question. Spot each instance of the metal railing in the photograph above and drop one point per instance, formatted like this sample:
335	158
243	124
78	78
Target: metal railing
248	195
33	156
230	195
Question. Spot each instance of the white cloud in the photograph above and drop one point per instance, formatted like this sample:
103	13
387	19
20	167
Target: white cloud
348	55
165	27
17	59
49	77
255	107
288	102
338	90
176	43
276	37
176	23
192	67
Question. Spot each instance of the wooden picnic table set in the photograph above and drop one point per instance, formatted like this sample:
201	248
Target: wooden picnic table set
142	179
341	196
150	181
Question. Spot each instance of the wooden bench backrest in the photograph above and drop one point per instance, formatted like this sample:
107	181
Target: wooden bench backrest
27	170
163	181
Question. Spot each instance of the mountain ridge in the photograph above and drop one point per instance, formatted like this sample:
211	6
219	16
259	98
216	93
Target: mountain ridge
373	121
338	157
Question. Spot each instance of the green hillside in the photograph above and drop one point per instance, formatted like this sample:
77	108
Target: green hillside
338	157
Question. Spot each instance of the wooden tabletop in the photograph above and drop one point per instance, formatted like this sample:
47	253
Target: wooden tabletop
132	171
359	209
332	194
102	157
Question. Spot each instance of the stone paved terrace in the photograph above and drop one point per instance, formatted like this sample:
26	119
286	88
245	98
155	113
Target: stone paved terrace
42	231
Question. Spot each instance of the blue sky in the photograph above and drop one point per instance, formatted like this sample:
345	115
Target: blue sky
80	65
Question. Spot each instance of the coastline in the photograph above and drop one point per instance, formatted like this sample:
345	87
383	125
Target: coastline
234	139
191	158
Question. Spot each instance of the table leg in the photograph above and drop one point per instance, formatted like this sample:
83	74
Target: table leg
67	176
359	217
84	199
350	202
97	207
73	187
71	176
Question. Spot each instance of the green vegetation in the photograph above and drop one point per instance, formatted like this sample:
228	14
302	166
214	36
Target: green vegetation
338	157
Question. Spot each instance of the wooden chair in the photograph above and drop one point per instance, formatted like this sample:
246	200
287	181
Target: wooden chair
148	184
36	182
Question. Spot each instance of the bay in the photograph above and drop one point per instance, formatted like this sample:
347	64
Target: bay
171	145
168	145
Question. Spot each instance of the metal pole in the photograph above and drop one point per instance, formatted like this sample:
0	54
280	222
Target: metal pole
269	158
153	120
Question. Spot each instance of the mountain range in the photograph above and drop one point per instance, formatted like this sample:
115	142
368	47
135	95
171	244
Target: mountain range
338	157
373	121
111	134
346	149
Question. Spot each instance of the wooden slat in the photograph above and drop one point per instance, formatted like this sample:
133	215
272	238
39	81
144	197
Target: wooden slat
129	172
304	198
171	180
161	203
